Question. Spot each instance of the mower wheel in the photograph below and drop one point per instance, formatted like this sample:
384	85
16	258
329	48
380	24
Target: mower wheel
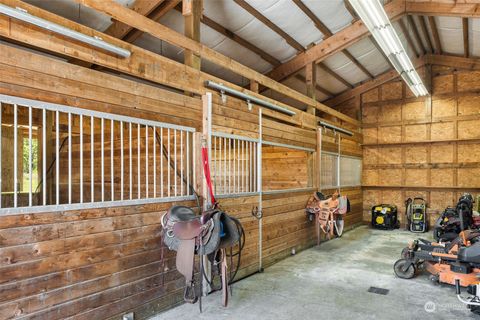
399	266
435	279
405	253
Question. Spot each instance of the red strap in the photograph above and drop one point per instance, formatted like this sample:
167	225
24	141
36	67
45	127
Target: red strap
206	171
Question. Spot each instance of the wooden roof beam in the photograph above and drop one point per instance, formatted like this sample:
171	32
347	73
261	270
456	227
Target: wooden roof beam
370	84
161	32
144	7
327	33
409	38
317	86
454	61
156	15
426	35
336	43
416	34
441	8
335	75
436	37
466	42
247	7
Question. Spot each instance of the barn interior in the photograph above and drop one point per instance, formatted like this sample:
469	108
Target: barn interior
243	159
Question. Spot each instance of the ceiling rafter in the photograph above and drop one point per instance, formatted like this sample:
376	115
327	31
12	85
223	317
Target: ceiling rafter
328	33
144	7
233	36
156	15
416	34
466	42
336	43
408	37
334	74
436	37
247	7
317	86
423	27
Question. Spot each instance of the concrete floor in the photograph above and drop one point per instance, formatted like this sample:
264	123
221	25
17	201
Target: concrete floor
331	282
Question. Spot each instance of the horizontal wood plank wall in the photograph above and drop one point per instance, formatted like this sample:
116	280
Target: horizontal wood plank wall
426	147
101	263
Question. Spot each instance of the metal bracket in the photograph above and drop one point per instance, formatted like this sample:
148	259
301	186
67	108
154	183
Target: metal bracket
224	96
257	213
249	104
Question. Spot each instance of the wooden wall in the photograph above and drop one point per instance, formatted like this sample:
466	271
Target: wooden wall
102	263
425	147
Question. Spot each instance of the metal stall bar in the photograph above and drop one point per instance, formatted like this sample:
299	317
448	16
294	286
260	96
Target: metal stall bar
181	163
44	155
102	156
57	157
138	160
15	154
154	162
168	162
69	158
121	162
1	111
30	176
130	160
175	160
112	154
92	160
81	160
161	162
146	161
259	189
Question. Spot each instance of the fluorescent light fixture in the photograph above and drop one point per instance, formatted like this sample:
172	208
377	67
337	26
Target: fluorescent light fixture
376	20
23	15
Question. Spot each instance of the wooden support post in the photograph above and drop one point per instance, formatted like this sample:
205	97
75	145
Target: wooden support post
311	81
192	11
319	159
254	86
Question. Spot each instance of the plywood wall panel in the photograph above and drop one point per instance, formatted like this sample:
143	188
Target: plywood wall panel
442	177
370	177
370	155
370	135
468	81
413	111
370	114
392	90
442	153
389	134
371	96
390	113
389	177
416	177
442	84
442	131
416	154
443	108
389	155
468	105
469	129
415	132
469	152
468	177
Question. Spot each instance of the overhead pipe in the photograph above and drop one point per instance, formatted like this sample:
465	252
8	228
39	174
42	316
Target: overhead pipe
335	128
247	97
23	15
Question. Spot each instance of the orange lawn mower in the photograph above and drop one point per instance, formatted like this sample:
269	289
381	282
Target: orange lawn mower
446	262
328	214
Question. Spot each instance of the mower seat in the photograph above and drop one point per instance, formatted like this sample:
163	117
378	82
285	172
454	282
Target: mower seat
470	254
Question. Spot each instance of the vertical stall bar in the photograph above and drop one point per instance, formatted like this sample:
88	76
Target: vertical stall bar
229	165
161	162
1	143
224	165
102	156
92	160
122	169
57	156
219	166
138	161
181	163
146	161
130	175
154	162
15	154
69	158
81	158
175	159
214	160
188	162
112	154
44	154
234	152
168	162
30	156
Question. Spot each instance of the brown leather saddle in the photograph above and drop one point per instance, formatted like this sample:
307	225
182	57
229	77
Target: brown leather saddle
190	234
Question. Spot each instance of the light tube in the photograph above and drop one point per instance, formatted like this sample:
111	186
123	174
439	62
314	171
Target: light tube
376	20
22	15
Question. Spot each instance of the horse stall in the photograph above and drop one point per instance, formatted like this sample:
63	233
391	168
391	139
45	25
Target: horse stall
169	159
